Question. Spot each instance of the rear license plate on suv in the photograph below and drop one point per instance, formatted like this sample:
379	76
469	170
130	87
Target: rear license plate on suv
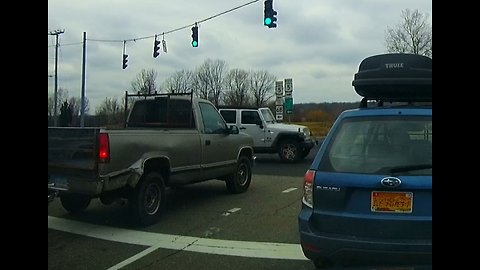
391	202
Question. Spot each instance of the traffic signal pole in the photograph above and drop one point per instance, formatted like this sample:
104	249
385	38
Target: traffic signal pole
56	33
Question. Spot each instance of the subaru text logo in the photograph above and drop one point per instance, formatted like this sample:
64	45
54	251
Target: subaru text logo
390	182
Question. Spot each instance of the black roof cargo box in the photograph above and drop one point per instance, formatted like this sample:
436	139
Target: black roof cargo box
395	77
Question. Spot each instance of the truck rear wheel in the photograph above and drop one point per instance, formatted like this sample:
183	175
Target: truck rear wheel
74	203
147	202
239	181
289	150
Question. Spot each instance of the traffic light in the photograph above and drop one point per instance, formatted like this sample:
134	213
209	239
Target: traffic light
269	14
125	60
195	36
156	48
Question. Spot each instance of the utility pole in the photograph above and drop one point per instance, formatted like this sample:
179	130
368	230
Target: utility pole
82	111
56	33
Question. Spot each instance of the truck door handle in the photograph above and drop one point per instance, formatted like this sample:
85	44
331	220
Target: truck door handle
207	142
243	128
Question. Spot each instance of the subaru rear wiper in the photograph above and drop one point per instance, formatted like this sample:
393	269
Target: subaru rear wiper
405	168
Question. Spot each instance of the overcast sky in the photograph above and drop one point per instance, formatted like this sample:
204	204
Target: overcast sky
317	43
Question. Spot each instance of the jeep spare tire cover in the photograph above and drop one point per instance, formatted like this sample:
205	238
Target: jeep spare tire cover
395	77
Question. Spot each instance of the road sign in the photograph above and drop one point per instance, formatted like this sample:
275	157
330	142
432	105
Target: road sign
279	101
279	117
288	86
279	88
164	45
289	105
279	109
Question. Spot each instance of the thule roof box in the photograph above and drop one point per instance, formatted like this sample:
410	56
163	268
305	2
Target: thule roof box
394	77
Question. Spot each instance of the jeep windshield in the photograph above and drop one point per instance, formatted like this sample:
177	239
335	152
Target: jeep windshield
381	144
268	115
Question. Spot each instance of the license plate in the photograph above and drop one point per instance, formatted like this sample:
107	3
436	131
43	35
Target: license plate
59	182
392	202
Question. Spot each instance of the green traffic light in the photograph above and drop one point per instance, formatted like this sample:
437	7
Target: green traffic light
194	44
268	21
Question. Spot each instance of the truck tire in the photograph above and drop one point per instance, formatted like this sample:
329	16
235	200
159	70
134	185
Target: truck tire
239	181
74	203
289	151
148	199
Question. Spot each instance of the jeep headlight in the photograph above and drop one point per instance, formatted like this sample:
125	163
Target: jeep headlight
306	132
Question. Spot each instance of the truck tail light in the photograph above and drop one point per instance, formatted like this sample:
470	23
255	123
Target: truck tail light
104	148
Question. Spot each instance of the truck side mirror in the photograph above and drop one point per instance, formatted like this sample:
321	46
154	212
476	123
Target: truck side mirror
259	122
233	129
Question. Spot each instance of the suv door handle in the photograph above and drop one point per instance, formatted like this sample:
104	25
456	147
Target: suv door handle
207	142
242	128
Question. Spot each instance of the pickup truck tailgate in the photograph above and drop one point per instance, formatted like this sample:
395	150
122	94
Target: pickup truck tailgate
72	149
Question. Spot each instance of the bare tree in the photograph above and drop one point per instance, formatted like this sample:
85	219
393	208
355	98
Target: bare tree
262	86
110	111
65	119
412	35
145	82
62	94
236	84
208	80
76	103
179	82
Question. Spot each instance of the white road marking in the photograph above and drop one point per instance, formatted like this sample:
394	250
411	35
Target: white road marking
134	258
267	250
233	210
288	190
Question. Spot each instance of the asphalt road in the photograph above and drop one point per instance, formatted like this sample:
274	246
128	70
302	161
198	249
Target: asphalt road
209	228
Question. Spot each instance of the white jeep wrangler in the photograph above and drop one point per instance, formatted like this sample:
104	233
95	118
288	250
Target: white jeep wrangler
291	142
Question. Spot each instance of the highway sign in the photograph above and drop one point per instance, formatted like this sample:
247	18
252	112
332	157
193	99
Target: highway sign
279	88
289	105
288	86
279	109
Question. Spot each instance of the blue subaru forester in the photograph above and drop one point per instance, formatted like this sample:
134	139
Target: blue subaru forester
368	193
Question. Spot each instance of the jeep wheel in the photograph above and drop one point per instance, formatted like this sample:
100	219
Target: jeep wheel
74	203
239	181
289	151
147	202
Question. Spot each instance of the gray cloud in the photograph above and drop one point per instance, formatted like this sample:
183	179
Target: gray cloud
317	43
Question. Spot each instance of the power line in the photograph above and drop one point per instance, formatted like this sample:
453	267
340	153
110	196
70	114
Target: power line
68	44
179	28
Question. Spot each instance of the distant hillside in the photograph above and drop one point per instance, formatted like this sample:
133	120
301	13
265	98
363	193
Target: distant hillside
326	111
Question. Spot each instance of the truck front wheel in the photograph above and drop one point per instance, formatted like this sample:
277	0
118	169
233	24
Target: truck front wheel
147	202
289	150
239	181
74	203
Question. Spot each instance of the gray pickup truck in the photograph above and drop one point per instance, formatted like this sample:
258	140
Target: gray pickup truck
168	140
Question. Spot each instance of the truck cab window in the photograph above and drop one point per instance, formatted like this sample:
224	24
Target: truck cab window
212	120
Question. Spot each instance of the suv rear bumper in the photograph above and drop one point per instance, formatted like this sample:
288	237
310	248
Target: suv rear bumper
341	248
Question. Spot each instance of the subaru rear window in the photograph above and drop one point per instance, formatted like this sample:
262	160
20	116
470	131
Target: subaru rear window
381	145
